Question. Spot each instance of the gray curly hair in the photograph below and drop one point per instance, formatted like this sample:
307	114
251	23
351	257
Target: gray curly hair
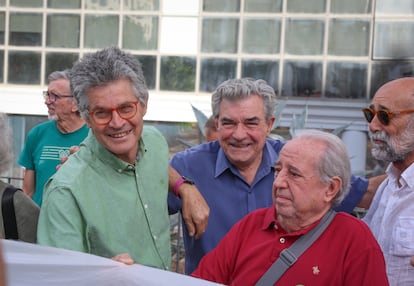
236	89
103	67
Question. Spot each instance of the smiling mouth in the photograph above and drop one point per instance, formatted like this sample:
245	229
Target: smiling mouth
120	135
239	145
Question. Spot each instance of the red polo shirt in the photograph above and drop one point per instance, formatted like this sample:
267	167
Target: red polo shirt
345	254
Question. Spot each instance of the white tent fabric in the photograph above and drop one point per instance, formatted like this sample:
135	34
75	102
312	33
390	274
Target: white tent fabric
32	264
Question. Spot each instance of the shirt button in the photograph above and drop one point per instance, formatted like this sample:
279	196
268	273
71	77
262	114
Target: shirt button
146	206
155	237
119	170
282	240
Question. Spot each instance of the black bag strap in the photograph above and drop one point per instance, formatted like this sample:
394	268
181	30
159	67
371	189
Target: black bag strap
9	216
290	255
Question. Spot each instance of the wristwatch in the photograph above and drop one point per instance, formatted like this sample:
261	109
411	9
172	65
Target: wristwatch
180	181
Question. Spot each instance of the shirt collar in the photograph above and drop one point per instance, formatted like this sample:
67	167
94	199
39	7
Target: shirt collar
110	159
405	179
222	163
270	223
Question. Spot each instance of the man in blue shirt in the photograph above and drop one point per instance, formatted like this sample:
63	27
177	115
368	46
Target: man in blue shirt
235	174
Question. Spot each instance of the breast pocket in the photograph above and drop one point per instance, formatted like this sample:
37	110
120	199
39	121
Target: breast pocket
403	237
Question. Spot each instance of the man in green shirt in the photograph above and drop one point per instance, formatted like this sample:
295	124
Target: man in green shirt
110	198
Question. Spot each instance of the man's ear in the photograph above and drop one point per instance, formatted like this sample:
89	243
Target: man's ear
74	106
333	188
270	124
144	106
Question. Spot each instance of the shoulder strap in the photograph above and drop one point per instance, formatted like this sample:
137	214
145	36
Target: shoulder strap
289	255
9	216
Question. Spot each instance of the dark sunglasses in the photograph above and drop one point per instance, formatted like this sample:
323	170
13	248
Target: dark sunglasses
384	116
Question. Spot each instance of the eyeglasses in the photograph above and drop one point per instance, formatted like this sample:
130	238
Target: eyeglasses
384	116
53	96
102	116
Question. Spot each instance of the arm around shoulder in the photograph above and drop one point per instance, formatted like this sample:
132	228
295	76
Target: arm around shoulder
373	184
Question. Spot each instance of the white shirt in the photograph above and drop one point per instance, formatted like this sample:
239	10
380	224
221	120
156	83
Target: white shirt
391	219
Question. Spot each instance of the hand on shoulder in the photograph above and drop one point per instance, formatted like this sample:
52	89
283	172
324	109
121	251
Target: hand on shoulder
72	150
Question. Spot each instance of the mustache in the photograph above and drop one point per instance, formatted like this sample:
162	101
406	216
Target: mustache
379	135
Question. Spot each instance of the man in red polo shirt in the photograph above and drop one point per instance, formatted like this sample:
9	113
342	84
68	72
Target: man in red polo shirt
312	175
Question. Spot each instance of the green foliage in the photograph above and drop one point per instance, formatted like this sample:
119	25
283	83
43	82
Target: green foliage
177	73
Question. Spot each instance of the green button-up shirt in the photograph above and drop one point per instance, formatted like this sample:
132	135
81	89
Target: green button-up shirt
99	204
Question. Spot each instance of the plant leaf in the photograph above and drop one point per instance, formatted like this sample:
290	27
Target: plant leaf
201	119
278	112
298	122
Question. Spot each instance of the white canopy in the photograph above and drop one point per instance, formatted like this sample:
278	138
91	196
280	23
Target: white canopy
31	264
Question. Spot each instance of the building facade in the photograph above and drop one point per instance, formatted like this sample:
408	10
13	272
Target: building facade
328	56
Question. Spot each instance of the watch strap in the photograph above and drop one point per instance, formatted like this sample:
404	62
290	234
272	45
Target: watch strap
177	184
180	181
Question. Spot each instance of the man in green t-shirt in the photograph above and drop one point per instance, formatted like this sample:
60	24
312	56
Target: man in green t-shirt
49	141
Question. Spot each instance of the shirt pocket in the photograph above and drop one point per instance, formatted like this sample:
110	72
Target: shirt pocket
403	237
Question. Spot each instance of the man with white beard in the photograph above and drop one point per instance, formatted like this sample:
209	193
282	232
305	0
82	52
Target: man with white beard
391	214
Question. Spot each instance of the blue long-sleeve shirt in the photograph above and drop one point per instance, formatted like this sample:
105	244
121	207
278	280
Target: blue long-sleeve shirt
228	195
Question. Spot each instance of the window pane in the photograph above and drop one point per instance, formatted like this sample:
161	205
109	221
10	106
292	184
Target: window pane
346	80
2	27
140	32
351	6
24	67
304	37
58	23
388	34
305	6
101	31
261	36
394	7
1	65
184	42
59	4
302	79
259	69
178	73
25	29
383	72
149	67
265	6
220	35
221	6
102	4
144	5
2	3
215	71
26	3
356	30
58	62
